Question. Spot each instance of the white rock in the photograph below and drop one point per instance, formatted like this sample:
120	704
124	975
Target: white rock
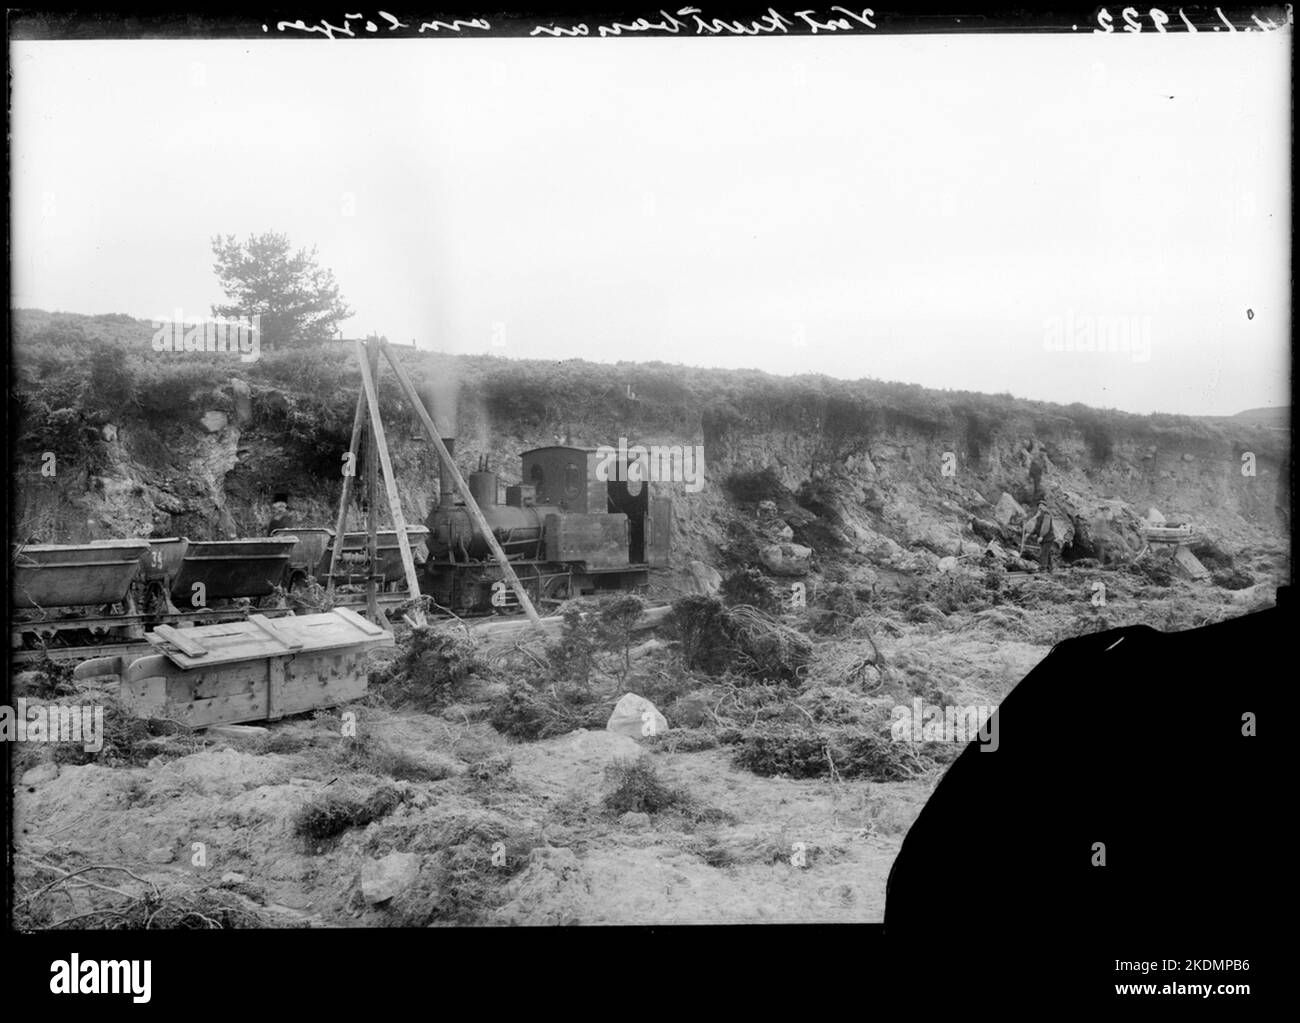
1007	510
636	717
786	533
948	564
243	400
214	421
383	878
704	580
786	558
1154	517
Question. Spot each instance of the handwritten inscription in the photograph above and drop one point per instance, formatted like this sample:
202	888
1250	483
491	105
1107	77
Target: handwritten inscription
1159	18
371	27
684	21
694	21
691	21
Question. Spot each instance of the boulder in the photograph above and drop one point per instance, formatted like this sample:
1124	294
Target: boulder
636	717
1154	517
785	532
214	421
243	400
948	564
1007	511
1259	595
986	529
933	537
704	580
383	878
786	558
1189	564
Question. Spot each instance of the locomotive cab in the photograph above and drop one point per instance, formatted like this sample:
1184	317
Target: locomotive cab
564	529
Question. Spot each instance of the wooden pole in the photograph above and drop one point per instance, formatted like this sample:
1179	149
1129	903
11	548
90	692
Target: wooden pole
390	481
471	505
372	491
341	524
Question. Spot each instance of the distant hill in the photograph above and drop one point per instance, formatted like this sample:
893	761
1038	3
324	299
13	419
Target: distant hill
1269	415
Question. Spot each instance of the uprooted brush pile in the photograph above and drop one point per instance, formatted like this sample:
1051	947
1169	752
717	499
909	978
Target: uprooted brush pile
127	901
436	662
715	638
802	753
329	815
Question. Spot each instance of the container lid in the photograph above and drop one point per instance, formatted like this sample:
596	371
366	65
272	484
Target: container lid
260	637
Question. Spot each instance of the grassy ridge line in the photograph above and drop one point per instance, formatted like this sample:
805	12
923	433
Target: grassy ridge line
76	371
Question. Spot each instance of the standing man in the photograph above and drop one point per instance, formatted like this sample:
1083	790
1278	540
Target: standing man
281	516
1037	466
1042	527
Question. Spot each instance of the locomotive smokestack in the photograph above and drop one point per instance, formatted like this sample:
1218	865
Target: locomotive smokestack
439	398
446	486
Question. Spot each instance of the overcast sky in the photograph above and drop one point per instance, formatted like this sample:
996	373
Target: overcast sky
941	210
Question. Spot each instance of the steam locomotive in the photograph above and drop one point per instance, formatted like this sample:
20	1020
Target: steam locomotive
564	529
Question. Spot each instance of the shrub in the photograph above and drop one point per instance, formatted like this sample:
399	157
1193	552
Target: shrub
811	755
838	605
1152	570
715	638
526	713
1233	579
52	678
701	626
110	384
436	660
946	592
128	739
748	586
329	815
756	485
572	656
366	753
637	788
1212	556
617	619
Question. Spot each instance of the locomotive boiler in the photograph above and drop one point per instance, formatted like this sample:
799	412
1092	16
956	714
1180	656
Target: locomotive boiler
564	530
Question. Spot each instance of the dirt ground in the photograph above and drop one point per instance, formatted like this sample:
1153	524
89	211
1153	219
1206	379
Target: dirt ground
457	823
